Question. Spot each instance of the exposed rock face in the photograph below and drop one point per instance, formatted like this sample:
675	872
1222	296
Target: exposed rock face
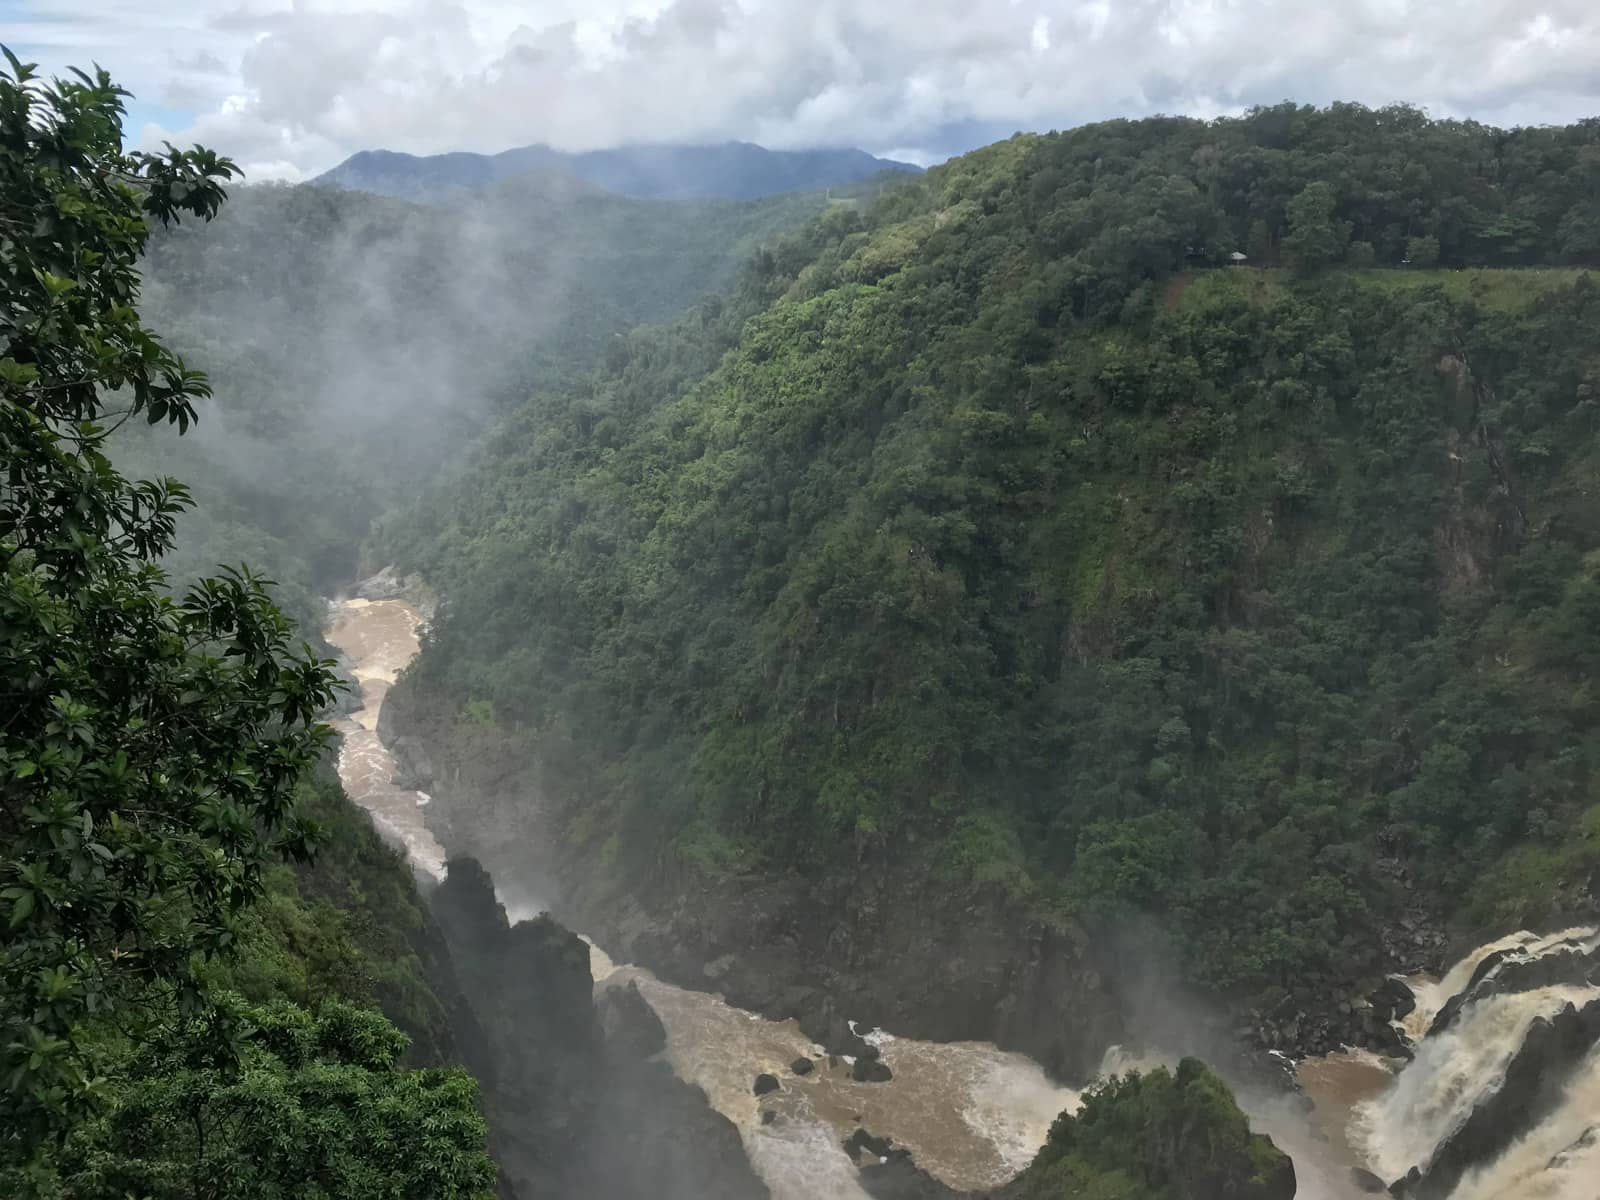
765	1084
1531	1090
391	584
1452	1007
802	1066
577	1104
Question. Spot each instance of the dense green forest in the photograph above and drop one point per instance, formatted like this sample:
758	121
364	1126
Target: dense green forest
356	344
189	996
1002	513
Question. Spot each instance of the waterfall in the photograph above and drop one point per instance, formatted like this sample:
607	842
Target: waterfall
1461	1065
1453	1070
1558	1160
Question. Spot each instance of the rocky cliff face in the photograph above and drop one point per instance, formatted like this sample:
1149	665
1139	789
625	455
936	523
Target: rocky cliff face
577	1103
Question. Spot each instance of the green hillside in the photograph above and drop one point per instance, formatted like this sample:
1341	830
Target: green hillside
1004	514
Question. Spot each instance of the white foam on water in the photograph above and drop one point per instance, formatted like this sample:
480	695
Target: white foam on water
1452	1071
1433	994
1549	1163
1013	1103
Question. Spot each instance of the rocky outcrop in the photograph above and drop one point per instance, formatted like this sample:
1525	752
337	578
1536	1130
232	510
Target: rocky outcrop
1174	1134
1451	1009
392	584
1531	1089
1366	1182
578	1101
628	1023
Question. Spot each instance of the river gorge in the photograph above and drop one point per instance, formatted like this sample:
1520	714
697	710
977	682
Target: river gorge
972	1116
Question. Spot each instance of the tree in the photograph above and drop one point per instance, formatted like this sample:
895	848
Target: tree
149	746
1422	251
317	1109
1314	239
1173	1135
1361	254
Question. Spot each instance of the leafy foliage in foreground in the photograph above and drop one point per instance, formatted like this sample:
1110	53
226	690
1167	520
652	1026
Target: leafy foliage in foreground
314	1108
152	753
994	514
1158	1136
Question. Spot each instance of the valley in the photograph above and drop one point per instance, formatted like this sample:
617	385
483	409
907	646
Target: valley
1066	673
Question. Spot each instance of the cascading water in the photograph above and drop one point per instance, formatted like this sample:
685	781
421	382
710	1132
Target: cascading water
1453	1070
1559	1160
1394	1116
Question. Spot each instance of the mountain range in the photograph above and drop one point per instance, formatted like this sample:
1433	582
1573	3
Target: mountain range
735	170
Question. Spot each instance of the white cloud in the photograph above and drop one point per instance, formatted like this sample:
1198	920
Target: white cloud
292	86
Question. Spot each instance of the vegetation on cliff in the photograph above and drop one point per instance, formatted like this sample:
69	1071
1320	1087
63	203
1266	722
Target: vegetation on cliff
1157	1136
995	515
163	1030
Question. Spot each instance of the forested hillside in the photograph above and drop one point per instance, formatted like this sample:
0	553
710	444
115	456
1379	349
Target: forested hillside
733	170
356	343
1003	527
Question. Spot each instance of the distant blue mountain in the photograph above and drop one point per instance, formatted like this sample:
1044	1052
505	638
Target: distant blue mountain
737	170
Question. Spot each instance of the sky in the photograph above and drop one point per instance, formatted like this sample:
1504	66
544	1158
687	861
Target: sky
289	88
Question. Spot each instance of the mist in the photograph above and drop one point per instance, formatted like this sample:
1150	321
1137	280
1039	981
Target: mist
359	344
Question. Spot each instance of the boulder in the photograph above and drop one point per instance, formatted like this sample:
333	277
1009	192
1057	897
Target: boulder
630	1026
1366	1181
829	1028
766	1083
802	1066
1570	968
895	1176
1392	999
1452	1007
871	1070
862	1141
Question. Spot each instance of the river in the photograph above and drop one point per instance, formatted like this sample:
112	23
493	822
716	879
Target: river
973	1115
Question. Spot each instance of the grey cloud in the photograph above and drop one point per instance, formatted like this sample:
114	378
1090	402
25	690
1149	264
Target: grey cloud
326	77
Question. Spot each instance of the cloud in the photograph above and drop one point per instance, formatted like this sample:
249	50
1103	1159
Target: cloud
293	87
